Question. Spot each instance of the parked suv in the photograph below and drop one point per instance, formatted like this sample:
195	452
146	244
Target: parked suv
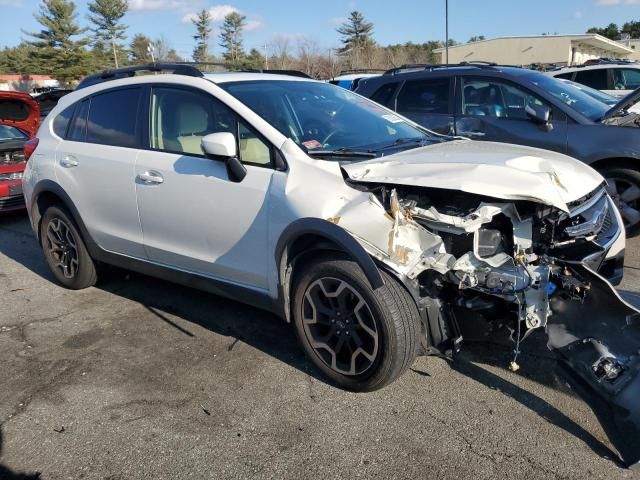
515	105
373	236
615	78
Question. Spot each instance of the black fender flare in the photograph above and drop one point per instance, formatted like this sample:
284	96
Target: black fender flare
49	186
331	232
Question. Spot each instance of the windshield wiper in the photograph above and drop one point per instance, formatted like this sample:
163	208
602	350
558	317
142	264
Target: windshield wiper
401	142
341	152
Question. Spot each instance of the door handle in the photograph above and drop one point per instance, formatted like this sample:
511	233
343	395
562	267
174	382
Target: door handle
150	177
69	161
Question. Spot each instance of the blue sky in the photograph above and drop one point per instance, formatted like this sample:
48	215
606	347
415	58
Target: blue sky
395	22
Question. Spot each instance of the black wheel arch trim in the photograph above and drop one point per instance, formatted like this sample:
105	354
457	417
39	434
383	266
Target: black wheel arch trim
49	186
332	233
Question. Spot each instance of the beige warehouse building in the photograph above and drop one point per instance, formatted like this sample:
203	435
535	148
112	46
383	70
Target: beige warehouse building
544	49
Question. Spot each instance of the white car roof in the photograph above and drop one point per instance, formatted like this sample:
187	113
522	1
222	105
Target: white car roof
597	66
224	77
354	76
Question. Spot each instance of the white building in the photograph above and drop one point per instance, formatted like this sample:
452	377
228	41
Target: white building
543	49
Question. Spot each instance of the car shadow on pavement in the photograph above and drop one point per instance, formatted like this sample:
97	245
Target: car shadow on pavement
536	366
257	328
8	474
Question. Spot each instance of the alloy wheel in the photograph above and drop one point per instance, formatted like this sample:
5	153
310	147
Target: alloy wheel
62	247
340	326
626	196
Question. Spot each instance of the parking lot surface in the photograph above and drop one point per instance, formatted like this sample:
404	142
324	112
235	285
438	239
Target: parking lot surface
140	378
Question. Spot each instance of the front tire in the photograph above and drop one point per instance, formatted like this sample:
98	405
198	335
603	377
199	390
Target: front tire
65	251
623	184
361	339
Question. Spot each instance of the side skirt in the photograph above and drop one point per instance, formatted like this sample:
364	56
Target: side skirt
232	291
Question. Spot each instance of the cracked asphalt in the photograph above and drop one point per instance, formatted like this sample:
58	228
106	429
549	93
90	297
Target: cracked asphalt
140	378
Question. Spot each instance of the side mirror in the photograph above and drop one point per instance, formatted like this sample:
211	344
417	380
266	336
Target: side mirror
222	146
540	114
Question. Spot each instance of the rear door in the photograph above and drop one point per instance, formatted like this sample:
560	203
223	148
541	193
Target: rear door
598	78
428	102
95	166
493	109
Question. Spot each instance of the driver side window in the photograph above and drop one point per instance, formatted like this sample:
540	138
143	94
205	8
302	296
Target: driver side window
180	118
488	97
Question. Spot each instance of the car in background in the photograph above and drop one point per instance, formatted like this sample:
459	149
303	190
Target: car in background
516	105
617	78
350	79
49	99
600	95
19	122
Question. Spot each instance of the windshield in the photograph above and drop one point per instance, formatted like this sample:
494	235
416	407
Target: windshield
323	118
574	98
11	133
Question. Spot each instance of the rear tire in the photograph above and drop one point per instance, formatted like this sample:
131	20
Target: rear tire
624	188
65	251
361	339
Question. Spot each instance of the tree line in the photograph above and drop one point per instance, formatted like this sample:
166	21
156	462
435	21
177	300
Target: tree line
67	50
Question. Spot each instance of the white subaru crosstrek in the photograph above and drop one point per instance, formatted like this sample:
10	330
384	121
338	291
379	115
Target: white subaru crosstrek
379	240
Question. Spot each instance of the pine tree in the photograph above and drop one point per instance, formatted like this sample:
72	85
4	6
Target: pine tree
203	32
106	16
356	33
59	51
139	49
231	37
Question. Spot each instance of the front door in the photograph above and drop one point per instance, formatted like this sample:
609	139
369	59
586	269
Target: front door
494	110
193	216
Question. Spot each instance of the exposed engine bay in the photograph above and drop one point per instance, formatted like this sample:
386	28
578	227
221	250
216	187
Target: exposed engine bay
523	265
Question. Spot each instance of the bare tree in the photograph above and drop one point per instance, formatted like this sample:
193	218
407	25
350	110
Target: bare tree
280	45
308	55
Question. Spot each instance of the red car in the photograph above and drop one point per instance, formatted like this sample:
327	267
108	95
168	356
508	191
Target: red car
19	122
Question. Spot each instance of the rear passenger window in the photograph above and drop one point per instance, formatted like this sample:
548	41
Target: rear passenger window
78	129
424	96
593	78
61	122
384	95
113	118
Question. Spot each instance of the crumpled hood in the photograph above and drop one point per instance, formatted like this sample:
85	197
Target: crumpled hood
499	170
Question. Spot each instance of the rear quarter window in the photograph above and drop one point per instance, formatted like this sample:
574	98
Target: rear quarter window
61	122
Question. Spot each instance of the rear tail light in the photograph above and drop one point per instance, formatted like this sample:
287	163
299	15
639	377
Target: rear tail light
29	148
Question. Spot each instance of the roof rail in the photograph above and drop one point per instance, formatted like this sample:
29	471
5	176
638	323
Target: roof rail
189	69
245	68
126	72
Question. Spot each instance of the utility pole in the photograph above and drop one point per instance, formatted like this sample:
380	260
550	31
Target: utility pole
150	51
265	47
446	22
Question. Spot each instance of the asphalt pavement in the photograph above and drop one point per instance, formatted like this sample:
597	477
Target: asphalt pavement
138	378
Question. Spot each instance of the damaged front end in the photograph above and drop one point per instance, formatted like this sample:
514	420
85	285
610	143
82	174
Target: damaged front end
519	264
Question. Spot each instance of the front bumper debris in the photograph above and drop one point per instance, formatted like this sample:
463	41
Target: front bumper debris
597	341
